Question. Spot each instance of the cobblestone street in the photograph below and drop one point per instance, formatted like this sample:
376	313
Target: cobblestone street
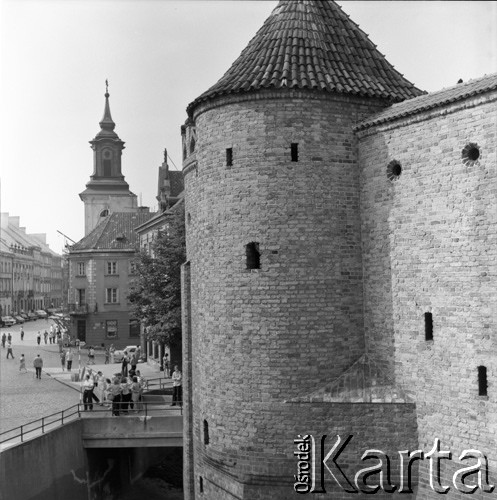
24	398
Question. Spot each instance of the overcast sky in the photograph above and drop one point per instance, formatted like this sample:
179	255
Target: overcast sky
158	56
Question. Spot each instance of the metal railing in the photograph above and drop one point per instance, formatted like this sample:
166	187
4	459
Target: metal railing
50	422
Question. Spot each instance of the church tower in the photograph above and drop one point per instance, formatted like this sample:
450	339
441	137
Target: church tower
107	191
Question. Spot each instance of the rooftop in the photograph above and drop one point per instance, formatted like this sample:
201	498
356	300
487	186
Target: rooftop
312	45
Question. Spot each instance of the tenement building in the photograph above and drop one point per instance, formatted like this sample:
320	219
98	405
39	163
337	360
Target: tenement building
340	274
30	271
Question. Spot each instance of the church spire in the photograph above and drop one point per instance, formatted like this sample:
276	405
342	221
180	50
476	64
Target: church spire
106	123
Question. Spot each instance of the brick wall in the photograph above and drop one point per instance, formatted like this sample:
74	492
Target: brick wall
430	246
266	335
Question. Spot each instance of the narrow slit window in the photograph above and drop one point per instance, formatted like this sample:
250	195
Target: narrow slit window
206	432
107	168
201	484
294	147
428	326
229	157
253	256
482	381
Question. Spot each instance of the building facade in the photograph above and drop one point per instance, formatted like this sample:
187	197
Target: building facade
101	266
340	230
31	273
170	197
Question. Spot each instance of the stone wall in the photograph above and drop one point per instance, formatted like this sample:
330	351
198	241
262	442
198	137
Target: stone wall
430	247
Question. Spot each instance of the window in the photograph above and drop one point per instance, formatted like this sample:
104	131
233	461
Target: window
134	328
206	432
294	147
201	484
253	256
107	168
112	267
229	157
428	326
111	296
104	213
81	296
482	381
81	268
111	328
133	267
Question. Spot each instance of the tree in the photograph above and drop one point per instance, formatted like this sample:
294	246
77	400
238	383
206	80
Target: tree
155	294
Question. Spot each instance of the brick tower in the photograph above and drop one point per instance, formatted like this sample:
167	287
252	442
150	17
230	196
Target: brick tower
273	284
107	191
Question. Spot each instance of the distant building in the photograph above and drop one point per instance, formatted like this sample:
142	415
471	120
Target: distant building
30	272
101	266
170	198
107	191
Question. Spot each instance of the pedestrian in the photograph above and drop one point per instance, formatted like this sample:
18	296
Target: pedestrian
69	358
115	396
22	363
125	395
124	367
107	356
9	337
4	338
165	365
100	388
59	342
22	334
38	364
94	378
38	338
9	349
91	356
135	394
112	350
133	360
87	393
177	389
63	360
45	336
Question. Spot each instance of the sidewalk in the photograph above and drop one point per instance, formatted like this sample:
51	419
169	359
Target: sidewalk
147	371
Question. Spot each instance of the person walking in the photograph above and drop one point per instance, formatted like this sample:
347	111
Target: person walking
22	364
63	360
112	350
125	395
124	367
45	336
9	349
87	393
133	362
69	358
94	378
9	337
177	389
38	338
91	356
107	356
22	334
38	364
4	339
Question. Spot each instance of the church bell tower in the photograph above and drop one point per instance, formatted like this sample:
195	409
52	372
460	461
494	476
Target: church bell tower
107	191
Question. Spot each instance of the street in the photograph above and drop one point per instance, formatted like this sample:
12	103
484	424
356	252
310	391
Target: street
24	398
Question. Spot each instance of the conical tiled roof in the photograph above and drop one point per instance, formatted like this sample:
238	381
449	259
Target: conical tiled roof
312	45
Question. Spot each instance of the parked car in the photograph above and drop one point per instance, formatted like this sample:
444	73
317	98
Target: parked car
19	319
32	316
8	321
25	316
119	353
41	313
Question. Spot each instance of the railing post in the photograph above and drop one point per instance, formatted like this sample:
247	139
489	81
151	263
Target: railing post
43	425
22	437
62	419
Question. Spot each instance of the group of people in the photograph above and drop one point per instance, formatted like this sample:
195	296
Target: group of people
37	364
122	394
54	336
